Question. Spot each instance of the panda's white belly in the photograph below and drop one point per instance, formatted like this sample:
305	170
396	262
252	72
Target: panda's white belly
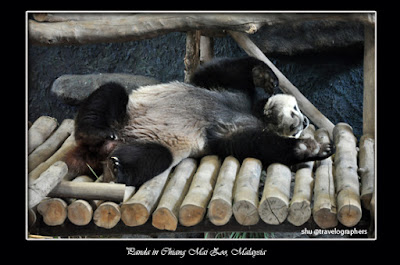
164	114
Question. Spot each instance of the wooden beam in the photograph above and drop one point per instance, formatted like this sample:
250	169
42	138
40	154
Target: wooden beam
369	82
92	28
285	85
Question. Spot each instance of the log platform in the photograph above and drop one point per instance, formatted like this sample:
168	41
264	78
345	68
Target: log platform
116	194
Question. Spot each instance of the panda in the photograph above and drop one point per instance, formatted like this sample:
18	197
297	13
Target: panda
132	137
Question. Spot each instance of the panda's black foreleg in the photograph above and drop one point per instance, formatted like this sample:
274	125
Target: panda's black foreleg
100	114
269	147
243	74
135	163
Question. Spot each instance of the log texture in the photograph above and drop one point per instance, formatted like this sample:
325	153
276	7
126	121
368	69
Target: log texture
274	202
165	217
53	210
50	146
57	156
324	210
220	207
89	191
245	198
367	169
136	211
93	29
41	187
369	111
300	204
346	177
194	205
40	130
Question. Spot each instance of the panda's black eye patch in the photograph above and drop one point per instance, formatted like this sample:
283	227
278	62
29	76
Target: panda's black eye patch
292	114
295	108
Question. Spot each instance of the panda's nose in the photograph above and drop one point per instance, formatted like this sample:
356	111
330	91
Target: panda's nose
306	122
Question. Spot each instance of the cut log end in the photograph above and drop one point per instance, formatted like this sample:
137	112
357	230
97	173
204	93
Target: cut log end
190	215
299	213
349	215
80	212
273	210
164	219
134	214
325	218
107	215
219	212
245	213
54	211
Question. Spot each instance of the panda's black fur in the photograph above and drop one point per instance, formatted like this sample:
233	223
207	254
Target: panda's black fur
134	137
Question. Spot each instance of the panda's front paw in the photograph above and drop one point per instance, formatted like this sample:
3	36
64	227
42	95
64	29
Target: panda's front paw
309	149
264	77
326	150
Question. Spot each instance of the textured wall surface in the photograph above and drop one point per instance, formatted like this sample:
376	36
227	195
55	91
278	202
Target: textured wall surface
332	82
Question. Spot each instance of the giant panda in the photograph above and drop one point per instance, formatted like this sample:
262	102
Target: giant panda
135	136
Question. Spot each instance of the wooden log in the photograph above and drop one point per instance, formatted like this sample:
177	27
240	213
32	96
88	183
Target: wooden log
285	85
367	169
50	146
206	49
346	177
194	205
80	211
95	30
300	204
165	217
369	110
372	227
245	195
137	210
220	207
108	214
41	129
192	56
53	210
89	191
57	156
41	187
324	211
274	202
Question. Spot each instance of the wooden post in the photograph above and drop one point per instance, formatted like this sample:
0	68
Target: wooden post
206	49
346	177
220	207
324	210
192	56
136	211
166	214
367	169
194	205
285	85
245	195
300	204
274	203
369	81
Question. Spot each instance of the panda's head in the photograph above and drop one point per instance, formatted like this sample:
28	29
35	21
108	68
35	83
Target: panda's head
284	117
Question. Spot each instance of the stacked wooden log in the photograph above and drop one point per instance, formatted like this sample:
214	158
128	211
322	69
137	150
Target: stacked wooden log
190	192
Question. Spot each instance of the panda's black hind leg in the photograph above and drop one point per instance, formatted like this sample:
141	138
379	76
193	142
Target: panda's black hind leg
100	114
135	163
